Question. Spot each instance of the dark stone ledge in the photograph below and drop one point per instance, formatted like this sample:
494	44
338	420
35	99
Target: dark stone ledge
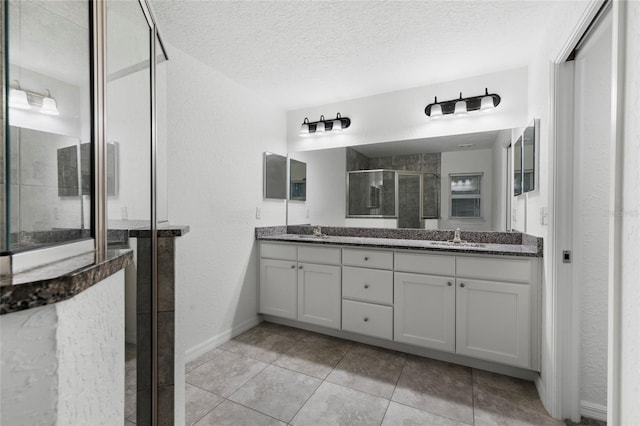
58	281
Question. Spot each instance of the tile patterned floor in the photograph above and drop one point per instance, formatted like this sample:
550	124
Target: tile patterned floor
276	375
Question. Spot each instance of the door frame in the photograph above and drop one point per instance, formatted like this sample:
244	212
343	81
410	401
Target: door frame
559	386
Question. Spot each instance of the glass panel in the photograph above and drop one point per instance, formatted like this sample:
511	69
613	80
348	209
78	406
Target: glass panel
465	207
409	201
129	131
275	176
162	190
49	123
431	196
372	193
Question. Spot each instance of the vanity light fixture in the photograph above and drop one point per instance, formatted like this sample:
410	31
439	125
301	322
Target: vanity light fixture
25	99
324	126
462	106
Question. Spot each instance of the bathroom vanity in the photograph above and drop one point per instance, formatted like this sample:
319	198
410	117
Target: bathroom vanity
476	299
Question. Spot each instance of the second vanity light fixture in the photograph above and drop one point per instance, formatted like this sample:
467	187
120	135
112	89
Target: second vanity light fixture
24	99
461	106
322	126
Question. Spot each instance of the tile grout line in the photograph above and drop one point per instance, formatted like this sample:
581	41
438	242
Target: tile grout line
394	390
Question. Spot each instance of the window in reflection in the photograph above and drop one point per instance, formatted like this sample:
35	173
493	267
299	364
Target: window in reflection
465	196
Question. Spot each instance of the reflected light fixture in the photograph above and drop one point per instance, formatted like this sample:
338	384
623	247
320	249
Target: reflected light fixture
25	99
323	126
461	106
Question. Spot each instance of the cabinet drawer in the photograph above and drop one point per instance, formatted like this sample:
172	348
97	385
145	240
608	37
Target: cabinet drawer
368	258
426	263
367	285
323	255
510	270
278	251
368	319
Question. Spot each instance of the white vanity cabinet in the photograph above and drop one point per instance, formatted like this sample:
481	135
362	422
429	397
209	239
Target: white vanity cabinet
301	283
496	320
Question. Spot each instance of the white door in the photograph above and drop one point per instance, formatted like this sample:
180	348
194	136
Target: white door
278	288
424	310
493	321
319	294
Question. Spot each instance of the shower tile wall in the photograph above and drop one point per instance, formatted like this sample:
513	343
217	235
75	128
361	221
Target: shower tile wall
424	163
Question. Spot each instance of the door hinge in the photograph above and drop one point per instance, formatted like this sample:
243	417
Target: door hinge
566	256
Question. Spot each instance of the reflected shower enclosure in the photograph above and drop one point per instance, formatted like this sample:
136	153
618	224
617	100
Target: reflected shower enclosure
371	193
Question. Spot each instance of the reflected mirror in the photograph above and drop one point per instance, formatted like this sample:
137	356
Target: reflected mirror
275	176
517	167
447	182
529	158
297	180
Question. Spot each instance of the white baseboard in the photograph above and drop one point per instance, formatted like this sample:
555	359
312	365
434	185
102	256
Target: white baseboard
215	341
594	411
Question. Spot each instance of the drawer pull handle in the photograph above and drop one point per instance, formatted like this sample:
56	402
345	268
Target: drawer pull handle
300	267
366	258
293	266
366	319
461	284
449	284
366	286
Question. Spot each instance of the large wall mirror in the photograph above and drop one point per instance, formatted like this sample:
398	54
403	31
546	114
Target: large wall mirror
447	182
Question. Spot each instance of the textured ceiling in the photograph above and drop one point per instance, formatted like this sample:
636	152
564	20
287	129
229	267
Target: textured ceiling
305	53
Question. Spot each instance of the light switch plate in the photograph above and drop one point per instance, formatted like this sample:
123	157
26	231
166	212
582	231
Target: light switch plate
258	212
544	216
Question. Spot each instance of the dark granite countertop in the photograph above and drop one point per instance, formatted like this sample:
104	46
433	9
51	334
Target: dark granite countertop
495	243
58	281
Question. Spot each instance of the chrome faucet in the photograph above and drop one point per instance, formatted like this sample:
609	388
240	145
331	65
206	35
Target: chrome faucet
456	236
317	231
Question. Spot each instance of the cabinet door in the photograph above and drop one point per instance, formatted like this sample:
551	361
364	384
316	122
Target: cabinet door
278	288
424	310
319	293
492	321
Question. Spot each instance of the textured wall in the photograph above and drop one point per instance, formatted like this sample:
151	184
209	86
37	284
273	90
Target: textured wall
90	353
630	348
64	363
592	170
29	367
218	131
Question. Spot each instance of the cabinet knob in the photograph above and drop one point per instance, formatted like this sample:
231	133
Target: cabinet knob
366	286
366	319
293	266
366	258
461	284
300	267
449	284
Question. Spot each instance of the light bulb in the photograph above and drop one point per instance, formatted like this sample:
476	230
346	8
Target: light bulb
486	104
337	125
304	127
320	126
461	108
436	111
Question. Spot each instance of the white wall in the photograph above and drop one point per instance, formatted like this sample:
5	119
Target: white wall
64	363
481	161
217	132
400	115
629	390
326	186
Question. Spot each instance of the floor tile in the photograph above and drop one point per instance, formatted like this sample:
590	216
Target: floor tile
402	415
201	360
259	344
283	330
503	400
277	392
315	355
231	414
437	387
586	421
369	369
199	402
336	405
224	373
